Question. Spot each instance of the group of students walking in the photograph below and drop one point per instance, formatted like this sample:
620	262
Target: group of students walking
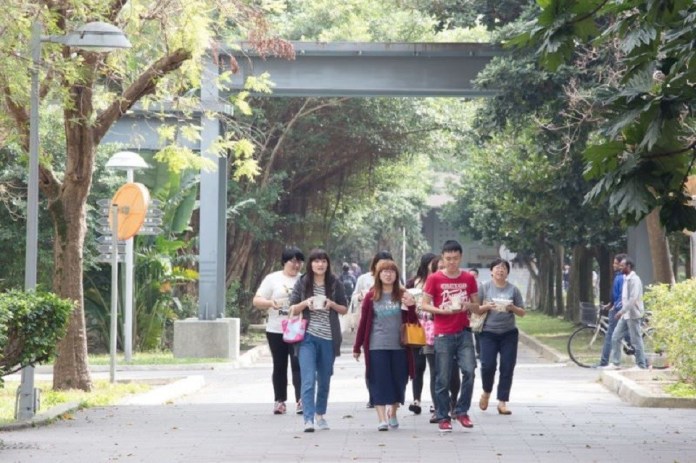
441	292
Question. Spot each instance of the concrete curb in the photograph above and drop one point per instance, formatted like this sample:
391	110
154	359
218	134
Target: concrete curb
159	395
626	385
43	418
549	353
163	394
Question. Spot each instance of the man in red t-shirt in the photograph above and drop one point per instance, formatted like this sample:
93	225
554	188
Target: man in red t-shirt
449	295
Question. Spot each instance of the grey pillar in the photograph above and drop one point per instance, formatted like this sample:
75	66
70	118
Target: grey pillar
213	206
639	251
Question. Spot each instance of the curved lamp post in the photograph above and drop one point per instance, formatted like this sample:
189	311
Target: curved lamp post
128	161
94	36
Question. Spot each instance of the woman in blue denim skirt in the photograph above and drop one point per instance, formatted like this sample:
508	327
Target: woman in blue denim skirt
388	363
320	297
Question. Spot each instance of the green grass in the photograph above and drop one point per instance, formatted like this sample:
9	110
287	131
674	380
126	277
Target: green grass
103	393
150	358
681	390
247	342
552	331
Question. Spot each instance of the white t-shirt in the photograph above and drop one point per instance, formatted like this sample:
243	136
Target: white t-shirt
276	286
365	282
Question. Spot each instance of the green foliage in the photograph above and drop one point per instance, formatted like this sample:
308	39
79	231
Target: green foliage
237	304
647	147
513	191
31	323
468	13
162	263
674	318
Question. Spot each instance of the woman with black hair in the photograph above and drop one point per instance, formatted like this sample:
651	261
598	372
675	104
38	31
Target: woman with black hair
273	296
499	337
320	297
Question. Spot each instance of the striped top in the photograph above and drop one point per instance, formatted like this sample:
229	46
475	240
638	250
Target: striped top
319	323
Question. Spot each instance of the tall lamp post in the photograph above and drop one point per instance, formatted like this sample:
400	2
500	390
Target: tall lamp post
94	36
128	161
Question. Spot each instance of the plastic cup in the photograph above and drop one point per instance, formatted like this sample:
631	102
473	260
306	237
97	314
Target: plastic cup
318	302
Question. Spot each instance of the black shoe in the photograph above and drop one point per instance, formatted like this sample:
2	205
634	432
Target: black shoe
369	405
415	408
433	419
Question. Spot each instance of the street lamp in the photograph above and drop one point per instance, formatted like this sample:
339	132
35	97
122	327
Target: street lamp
128	161
96	37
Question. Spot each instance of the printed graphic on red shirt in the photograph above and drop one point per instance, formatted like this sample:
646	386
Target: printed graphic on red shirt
450	293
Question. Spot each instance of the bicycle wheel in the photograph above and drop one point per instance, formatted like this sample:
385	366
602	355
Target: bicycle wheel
585	346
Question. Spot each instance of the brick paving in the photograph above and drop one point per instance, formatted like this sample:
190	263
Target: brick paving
561	413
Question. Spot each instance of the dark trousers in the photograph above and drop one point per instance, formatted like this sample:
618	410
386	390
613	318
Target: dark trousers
455	378
280	351
492	345
388	376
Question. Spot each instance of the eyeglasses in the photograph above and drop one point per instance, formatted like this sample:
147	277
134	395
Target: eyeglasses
295	260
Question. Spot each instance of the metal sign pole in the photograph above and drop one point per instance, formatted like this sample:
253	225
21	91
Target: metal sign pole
114	291
128	300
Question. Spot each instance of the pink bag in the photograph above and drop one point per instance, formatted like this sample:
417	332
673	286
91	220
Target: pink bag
294	328
429	327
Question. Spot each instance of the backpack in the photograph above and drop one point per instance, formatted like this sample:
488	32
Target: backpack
348	284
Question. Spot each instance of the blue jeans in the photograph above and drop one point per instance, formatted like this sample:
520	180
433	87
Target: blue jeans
493	344
316	367
606	349
457	348
632	325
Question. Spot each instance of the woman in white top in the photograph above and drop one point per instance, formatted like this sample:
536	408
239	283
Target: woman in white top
273	296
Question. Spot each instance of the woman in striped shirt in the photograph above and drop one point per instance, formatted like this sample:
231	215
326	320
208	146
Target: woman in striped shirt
320	297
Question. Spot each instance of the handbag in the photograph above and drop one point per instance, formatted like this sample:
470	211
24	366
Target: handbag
293	328
476	321
412	335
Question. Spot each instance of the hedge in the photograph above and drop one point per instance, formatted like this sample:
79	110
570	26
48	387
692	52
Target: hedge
674	320
31	323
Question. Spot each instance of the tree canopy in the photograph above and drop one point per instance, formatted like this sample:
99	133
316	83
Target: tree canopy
644	152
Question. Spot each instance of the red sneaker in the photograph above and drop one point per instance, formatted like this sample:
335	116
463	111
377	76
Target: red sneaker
465	421
445	426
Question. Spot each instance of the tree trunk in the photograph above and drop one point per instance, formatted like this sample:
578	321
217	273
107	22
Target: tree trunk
71	370
545	277
558	279
580	284
659	250
532	297
606	272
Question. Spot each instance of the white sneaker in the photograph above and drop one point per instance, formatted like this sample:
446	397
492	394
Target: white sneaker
611	366
322	425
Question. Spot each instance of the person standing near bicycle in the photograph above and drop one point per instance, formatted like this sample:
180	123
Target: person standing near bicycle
629	317
613	308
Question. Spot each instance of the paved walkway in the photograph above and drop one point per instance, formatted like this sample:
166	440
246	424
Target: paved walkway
561	413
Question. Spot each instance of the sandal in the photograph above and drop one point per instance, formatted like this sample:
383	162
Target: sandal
503	410
483	401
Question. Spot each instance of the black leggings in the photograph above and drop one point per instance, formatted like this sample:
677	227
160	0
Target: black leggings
280	351
420	360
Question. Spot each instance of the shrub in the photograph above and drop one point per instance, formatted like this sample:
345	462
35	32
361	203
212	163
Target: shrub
31	323
674	318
